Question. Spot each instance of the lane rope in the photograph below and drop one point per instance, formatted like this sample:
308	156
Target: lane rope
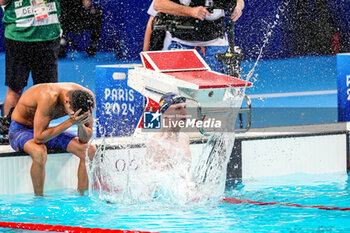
61	228
241	201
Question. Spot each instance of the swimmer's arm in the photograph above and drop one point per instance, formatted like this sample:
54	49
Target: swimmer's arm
85	131
188	155
186	146
169	7
42	120
150	150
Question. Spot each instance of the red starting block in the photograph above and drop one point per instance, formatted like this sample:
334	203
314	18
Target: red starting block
188	66
185	73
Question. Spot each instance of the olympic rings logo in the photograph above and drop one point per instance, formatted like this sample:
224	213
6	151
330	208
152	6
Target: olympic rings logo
121	165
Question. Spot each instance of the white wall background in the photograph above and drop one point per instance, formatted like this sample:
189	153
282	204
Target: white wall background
61	172
260	158
283	156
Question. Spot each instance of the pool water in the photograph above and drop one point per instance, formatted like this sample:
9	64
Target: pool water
66	207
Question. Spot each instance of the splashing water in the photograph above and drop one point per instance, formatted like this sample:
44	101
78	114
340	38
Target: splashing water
126	176
211	168
267	36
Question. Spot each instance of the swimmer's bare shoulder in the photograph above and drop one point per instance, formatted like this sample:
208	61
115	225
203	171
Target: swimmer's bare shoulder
28	103
45	95
48	92
37	92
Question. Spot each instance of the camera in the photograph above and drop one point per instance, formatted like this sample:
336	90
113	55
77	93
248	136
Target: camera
227	5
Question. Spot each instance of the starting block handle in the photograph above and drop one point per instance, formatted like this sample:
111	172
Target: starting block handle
248	111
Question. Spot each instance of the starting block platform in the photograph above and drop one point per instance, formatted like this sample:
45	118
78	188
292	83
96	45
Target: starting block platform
183	72
188	66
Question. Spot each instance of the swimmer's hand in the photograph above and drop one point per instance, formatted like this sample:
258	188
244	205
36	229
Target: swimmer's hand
80	119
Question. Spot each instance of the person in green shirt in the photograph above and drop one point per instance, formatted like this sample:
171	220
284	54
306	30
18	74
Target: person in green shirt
32	32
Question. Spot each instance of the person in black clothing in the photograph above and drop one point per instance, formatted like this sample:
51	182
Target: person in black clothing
78	16
312	28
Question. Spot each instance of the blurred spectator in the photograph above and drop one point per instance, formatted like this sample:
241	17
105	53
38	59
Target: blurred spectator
313	30
339	10
78	16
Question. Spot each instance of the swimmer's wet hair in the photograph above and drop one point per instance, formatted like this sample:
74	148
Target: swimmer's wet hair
81	99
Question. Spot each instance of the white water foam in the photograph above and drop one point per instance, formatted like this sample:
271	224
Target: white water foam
171	179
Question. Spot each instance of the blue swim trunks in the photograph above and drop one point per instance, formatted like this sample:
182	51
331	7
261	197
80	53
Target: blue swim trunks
20	134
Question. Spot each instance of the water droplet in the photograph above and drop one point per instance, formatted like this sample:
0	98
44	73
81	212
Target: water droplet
261	99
